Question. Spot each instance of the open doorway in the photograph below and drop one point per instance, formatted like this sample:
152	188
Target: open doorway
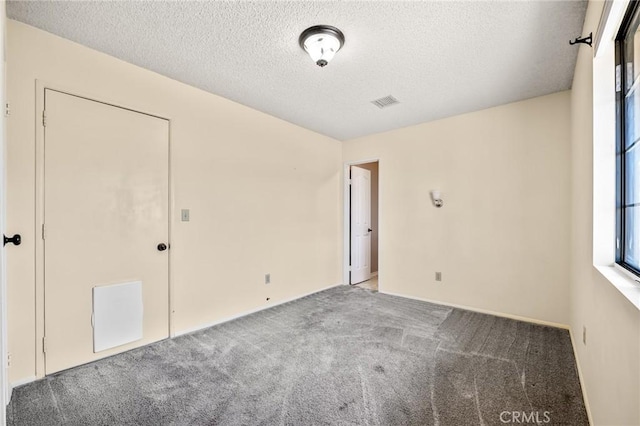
363	231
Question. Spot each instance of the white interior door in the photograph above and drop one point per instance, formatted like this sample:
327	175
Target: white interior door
360	224
106	199
4	382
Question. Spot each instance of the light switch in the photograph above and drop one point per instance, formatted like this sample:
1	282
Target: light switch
185	215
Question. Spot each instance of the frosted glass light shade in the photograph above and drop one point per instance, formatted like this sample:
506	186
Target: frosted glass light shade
321	43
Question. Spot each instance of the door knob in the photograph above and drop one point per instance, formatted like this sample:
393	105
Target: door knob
16	240
369	230
162	247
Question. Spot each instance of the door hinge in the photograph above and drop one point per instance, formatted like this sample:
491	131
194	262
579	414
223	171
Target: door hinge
349	181
44	118
43	231
44	345
618	78
350	268
7	109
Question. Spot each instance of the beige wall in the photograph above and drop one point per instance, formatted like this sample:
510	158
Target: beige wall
516	182
373	168
501	240
254	208
610	361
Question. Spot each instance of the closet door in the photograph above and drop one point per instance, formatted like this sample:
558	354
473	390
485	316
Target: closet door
106	198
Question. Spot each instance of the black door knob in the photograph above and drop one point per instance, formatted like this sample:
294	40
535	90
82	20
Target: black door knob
370	230
162	247
16	240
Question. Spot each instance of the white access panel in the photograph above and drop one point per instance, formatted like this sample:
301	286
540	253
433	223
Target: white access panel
117	315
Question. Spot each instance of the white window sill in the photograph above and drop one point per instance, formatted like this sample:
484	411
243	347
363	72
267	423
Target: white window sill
623	281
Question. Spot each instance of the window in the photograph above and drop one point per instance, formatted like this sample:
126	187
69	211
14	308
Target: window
628	141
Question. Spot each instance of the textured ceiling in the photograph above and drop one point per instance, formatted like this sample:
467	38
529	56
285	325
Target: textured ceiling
437	58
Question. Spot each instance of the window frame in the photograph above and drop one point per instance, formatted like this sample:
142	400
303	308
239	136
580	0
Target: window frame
621	126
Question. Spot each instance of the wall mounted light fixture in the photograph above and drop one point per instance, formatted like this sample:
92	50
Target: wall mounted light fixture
436	197
321	42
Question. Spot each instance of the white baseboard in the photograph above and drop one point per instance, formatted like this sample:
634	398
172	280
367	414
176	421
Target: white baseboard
242	314
482	311
581	378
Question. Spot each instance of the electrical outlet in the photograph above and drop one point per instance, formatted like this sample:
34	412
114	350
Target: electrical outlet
8	360
267	278
438	276
584	335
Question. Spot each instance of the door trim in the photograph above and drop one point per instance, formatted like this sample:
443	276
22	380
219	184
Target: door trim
346	215
40	88
5	391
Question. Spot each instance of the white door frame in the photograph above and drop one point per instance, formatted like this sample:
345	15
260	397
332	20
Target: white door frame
347	216
4	381
39	216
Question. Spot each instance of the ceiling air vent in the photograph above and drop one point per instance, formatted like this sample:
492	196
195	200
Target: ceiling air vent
387	101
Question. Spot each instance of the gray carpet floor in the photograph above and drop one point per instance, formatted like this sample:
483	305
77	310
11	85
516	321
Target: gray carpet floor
344	356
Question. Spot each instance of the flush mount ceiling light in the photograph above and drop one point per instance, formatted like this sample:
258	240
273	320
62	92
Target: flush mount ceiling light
321	42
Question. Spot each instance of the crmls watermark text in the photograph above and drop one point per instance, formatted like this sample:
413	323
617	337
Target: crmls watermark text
523	417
